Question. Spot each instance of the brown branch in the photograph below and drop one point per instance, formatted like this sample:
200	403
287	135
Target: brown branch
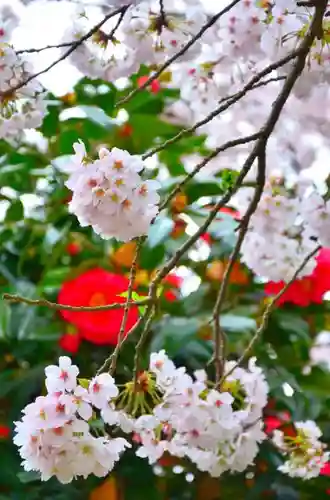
148	321
268	311
199	166
229	101
213	213
46	47
219	336
64	307
178	54
74	46
115	354
263	83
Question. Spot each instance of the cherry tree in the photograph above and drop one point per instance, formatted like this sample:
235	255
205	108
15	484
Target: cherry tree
244	98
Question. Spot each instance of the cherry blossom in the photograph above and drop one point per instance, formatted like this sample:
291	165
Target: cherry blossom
110	195
23	108
62	377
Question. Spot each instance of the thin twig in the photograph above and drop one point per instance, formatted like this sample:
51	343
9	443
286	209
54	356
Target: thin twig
148	321
46	47
64	307
224	106
219	335
213	213
206	160
180	53
121	334
74	46
162	12
268	311
264	83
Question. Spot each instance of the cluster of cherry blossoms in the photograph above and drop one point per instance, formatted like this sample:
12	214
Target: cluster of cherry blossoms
305	451
218	430
109	194
71	431
278	237
288	224
145	36
54	435
21	106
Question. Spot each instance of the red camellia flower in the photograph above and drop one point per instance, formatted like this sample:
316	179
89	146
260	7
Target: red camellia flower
172	281
126	130
154	85
325	471
4	432
97	287
307	290
73	248
273	422
207	238
70	342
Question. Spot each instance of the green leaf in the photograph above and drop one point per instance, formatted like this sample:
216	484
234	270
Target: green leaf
159	231
237	323
93	113
5	315
28	477
84	382
15	212
196	190
173	334
54	278
136	297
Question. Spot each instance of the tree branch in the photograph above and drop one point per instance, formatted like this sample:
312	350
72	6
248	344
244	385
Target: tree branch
115	353
206	160
229	101
46	47
268	312
64	307
219	336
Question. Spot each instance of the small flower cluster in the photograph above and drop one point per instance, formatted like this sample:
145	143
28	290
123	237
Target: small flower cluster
146	36
306	455
165	410
279	236
218	430
54	435
23	108
109	194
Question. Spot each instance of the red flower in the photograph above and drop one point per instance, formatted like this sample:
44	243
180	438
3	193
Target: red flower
4	432
272	423
172	281
230	211
325	471
154	85
70	342
94	288
73	248
309	289
207	238
126	130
